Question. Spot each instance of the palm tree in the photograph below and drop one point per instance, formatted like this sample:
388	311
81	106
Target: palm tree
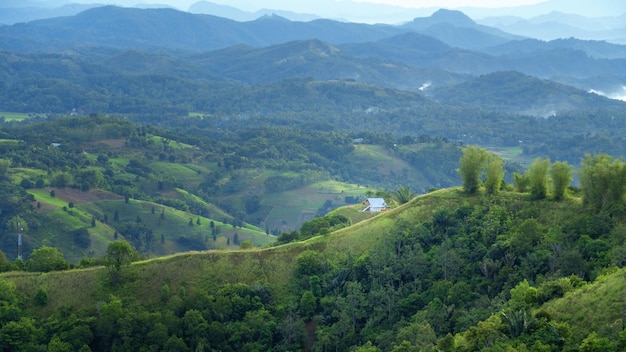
403	194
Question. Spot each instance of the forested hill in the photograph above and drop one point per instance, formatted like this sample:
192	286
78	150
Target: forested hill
452	270
515	92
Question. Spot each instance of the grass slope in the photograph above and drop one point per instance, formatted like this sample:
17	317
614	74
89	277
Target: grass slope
172	231
201	270
598	307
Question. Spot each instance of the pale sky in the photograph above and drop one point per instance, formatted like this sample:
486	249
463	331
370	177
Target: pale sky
293	5
355	9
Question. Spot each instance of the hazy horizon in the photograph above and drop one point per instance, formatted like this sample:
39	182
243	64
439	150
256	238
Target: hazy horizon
389	11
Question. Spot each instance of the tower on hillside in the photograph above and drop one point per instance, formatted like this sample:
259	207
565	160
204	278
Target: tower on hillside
19	241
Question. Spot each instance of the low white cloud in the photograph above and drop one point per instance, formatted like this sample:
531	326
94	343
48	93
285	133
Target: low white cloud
619	94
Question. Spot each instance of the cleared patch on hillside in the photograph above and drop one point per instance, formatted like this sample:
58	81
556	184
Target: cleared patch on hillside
75	196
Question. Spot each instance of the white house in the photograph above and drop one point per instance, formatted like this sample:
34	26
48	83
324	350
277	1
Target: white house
374	205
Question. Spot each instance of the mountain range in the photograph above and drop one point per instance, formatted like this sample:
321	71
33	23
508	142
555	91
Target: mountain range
445	48
546	20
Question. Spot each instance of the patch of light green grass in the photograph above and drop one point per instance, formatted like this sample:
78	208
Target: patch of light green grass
14	116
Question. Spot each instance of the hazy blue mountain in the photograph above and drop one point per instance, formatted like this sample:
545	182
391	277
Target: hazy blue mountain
416	55
425	52
563	58
176	30
16	12
586	8
593	48
515	92
556	25
457	29
210	8
314	59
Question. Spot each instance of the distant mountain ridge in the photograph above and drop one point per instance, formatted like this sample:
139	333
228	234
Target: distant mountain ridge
152	28
210	8
443	49
146	29
555	25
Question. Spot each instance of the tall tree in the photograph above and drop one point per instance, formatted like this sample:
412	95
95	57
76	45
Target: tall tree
471	163
521	182
494	173
403	194
561	177
4	166
118	255
602	180
538	178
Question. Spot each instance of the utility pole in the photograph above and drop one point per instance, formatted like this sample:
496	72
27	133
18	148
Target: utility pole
19	240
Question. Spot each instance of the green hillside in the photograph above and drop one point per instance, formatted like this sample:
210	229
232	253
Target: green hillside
446	271
74	173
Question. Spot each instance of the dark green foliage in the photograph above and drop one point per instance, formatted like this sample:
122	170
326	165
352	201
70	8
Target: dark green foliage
81	237
5	264
403	194
41	297
118	255
309	263
139	234
316	226
46	259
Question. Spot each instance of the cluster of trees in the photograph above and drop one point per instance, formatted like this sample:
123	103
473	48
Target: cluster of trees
440	284
317	226
478	168
235	318
602	178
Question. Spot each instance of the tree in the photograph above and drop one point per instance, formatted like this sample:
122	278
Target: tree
118	255
595	343
521	182
308	305
494	173
17	224
561	177
4	166
471	163
61	180
247	244
403	194
368	347
5	264
45	259
602	181
538	178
